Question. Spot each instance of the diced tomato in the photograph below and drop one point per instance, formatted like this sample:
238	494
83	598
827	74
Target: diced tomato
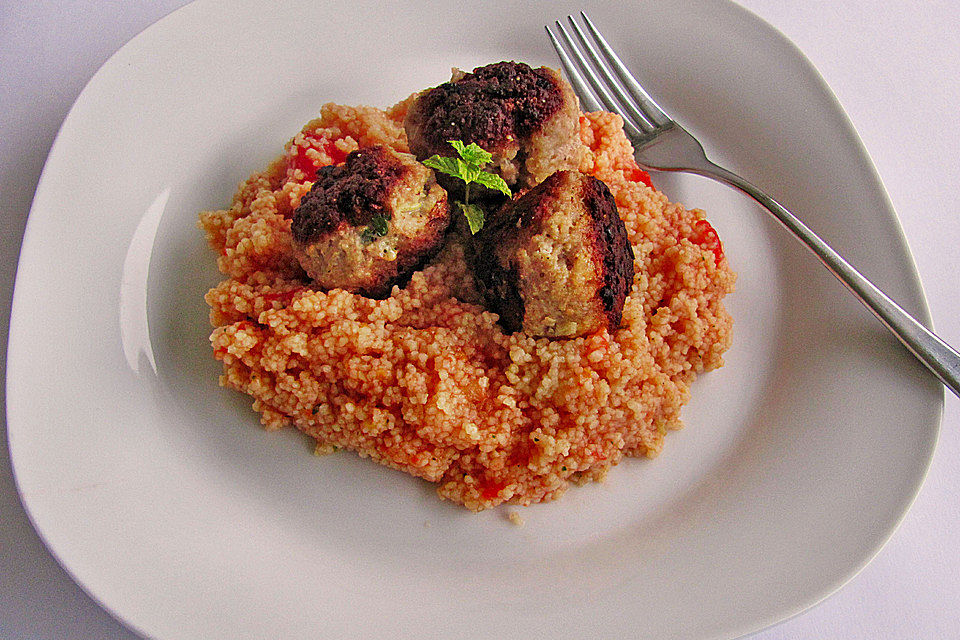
491	490
334	152
300	160
636	174
706	237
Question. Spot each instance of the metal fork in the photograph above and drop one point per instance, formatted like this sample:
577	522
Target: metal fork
663	145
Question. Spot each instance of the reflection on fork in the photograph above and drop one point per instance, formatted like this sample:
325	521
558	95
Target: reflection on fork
603	82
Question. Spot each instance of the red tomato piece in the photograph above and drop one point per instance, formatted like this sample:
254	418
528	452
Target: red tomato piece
706	237
636	174
492	490
300	160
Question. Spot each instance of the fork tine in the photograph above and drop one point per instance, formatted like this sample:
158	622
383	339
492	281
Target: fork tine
595	83
646	123
643	99
580	85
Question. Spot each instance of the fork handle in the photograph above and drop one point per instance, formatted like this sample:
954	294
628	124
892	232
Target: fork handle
934	353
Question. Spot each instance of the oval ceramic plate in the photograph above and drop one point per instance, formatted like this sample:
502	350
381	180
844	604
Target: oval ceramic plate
160	494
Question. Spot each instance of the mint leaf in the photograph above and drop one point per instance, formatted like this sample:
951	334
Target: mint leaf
450	166
493	181
376	229
469	168
472	153
468	172
474	215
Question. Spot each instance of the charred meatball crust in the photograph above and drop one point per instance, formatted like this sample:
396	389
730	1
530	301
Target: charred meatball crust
370	222
556	262
529	119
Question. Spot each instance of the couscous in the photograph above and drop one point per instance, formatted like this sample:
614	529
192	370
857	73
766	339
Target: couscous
426	379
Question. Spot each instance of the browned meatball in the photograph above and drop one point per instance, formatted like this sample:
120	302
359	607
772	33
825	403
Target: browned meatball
368	223
529	119
556	262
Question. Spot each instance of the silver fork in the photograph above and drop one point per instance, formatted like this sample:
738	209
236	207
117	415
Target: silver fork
663	145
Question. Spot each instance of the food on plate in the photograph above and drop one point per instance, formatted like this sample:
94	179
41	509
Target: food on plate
526	118
556	261
367	223
468	168
420	372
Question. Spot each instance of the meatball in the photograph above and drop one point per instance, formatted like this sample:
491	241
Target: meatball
556	262
529	119
370	222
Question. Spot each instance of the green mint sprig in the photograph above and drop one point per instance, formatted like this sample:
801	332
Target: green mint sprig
376	229
469	168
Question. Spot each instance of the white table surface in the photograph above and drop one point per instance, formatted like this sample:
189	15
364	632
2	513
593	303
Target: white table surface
893	67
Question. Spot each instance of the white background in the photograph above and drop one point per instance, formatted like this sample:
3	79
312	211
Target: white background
894	68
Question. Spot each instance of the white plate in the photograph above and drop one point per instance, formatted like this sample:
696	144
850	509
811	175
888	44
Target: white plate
161	496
